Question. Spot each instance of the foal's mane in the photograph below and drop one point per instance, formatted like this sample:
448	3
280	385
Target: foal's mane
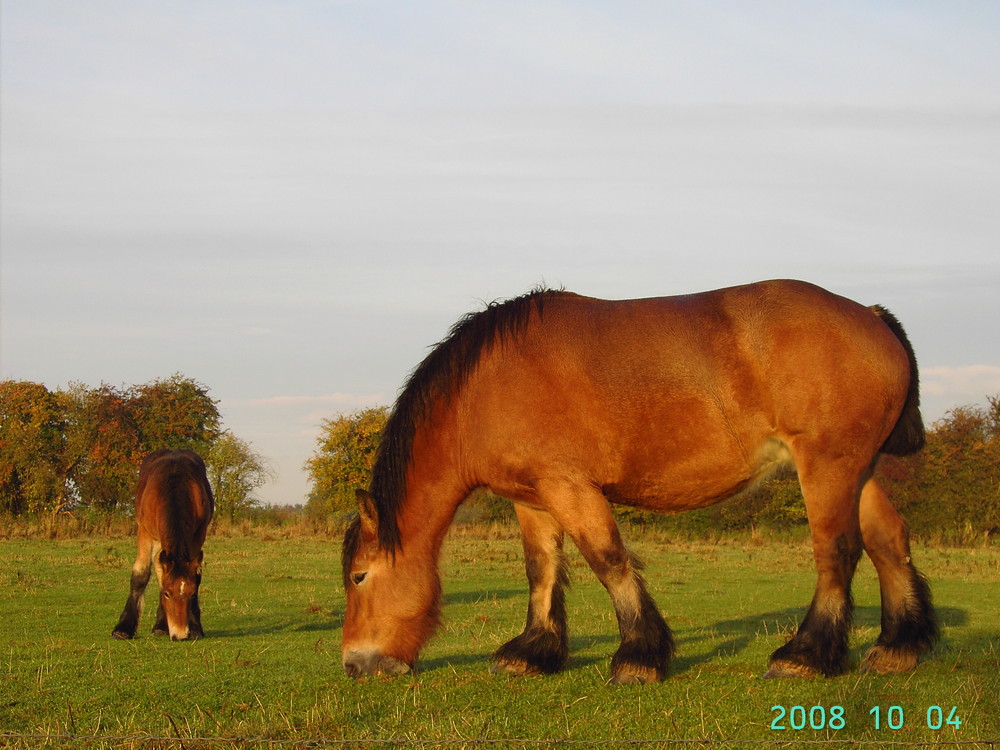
175	486
440	376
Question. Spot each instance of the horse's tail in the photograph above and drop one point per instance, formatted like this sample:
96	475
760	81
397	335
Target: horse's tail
907	435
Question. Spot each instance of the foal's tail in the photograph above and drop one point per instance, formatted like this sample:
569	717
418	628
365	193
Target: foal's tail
907	435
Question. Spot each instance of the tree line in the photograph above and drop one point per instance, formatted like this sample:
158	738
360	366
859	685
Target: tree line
80	447
949	489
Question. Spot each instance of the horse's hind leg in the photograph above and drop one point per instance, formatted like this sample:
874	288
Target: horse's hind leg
909	627
821	643
544	645
129	620
647	644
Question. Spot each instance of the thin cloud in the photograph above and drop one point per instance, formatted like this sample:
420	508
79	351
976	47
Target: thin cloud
970	381
347	400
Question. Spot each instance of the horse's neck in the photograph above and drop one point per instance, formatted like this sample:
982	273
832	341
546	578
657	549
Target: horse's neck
435	487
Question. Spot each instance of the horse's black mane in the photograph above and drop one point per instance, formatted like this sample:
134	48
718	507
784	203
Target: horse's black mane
440	375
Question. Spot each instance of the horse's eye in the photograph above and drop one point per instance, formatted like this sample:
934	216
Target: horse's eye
166	594
357	578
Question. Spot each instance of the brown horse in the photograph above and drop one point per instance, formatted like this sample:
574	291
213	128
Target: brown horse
565	404
173	506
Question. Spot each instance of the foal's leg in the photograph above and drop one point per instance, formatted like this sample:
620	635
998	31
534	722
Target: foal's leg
820	644
909	627
194	613
160	627
647	644
129	620
544	645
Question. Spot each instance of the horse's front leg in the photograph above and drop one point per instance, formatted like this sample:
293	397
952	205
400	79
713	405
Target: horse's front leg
647	644
544	645
129	620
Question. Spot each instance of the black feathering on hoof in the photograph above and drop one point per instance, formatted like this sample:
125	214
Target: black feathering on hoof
907	635
645	655
636	663
819	646
535	651
917	628
125	628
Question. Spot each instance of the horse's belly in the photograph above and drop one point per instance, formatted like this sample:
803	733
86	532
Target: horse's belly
671	486
672	497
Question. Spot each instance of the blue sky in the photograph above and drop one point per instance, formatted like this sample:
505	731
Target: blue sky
290	202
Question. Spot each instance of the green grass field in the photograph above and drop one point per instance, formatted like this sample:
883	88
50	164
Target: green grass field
269	667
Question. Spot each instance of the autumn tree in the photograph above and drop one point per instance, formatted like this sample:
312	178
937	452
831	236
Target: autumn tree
953	484
344	458
175	413
113	428
103	429
235	471
83	446
33	464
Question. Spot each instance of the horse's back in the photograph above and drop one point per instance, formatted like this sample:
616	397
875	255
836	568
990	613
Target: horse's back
681	401
754	347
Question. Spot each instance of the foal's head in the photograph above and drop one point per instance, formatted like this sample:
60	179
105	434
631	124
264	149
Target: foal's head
178	585
393	600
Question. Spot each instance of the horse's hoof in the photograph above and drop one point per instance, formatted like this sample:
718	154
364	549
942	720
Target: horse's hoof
884	660
635	675
515	669
784	668
629	679
160	631
121	635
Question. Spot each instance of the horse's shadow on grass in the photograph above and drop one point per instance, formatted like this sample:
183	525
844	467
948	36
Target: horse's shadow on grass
733	636
728	637
274	627
334	619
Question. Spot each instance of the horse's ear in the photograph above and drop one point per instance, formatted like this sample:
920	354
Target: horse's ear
367	512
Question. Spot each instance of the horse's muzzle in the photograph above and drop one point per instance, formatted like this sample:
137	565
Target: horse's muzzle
364	663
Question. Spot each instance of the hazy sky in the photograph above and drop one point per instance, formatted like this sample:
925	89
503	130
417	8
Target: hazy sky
291	201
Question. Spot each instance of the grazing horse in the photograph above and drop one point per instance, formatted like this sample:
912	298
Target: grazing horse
173	506
564	404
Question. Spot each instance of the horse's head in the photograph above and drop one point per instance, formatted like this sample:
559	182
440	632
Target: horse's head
178	585
393	600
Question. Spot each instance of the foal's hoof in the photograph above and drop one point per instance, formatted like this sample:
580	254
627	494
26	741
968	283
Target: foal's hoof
885	660
121	635
784	668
